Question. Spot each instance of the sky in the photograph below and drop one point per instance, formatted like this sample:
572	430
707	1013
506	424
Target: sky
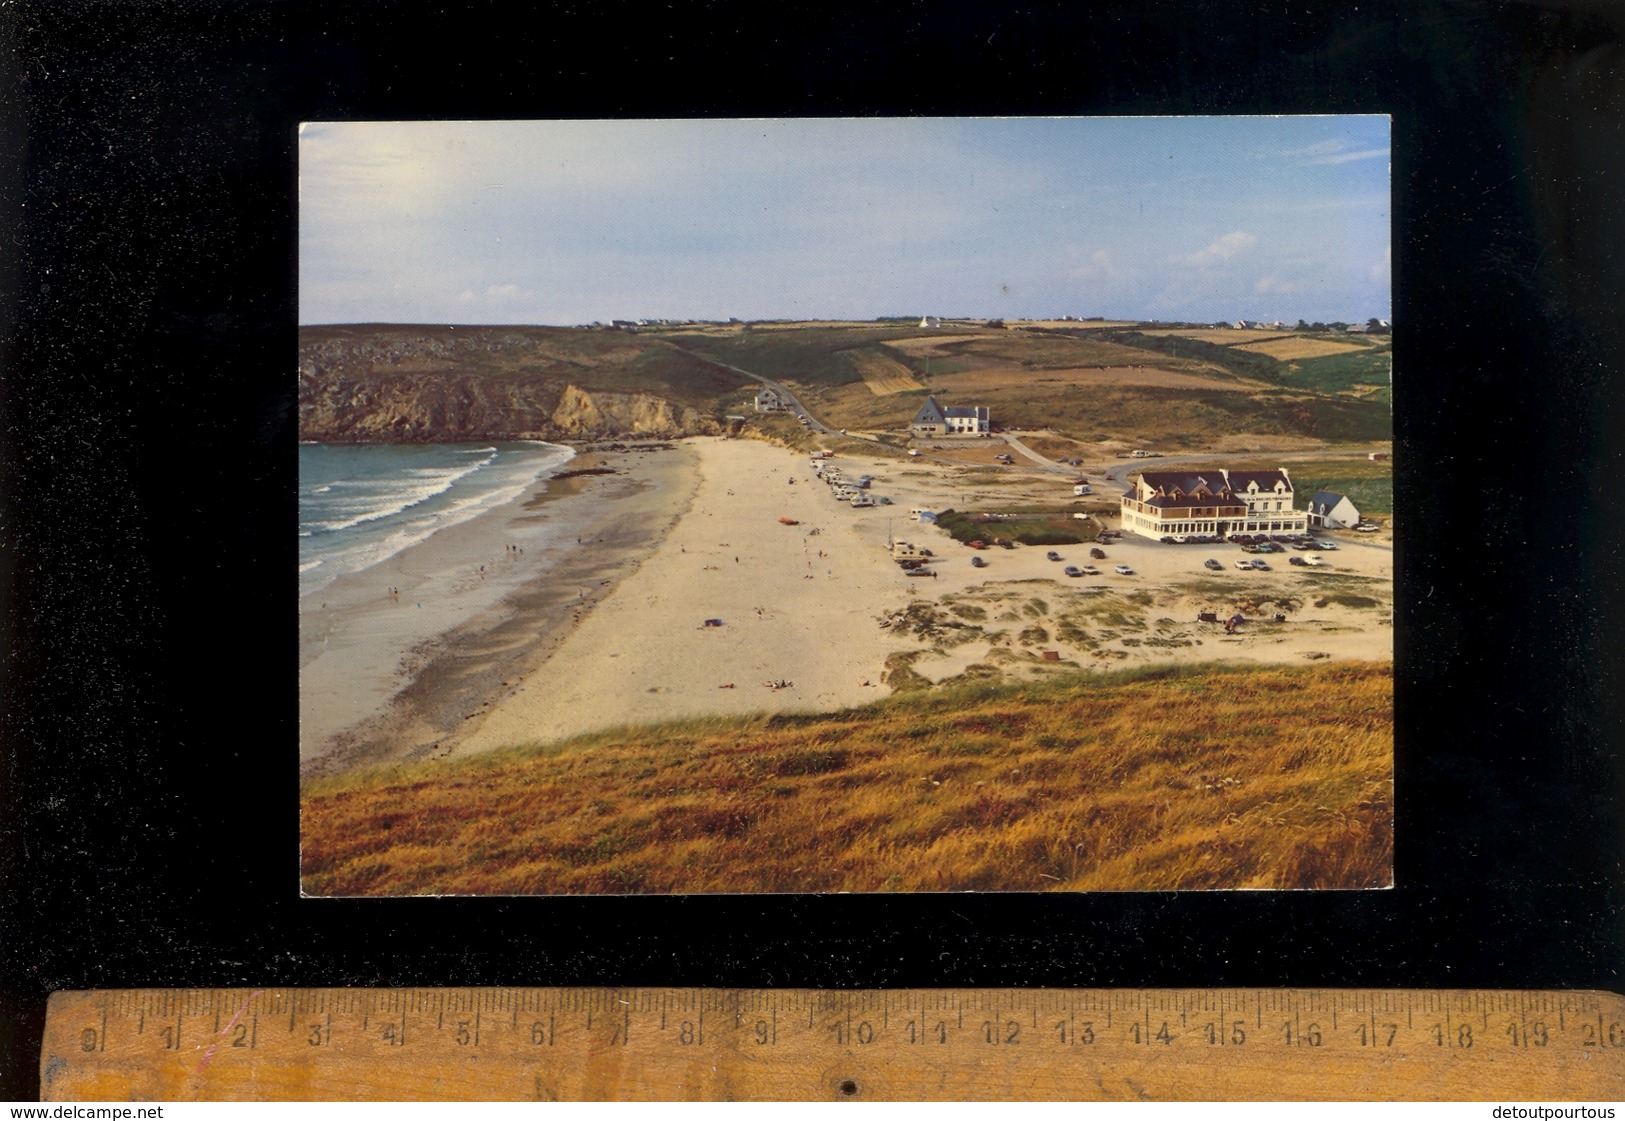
567	222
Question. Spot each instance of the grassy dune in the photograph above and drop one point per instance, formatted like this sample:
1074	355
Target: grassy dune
1151	779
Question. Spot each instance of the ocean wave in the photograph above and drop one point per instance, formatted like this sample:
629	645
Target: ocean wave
308	565
391	497
378	539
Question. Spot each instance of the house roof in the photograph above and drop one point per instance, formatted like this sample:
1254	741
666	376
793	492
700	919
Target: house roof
1239	480
1327	499
1186	482
933	413
930	413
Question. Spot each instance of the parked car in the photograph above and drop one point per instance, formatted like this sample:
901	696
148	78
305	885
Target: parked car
1166	540
1261	565
1297	562
1090	570
1329	546
1052	555
1367	528
1123	570
1072	570
1213	564
1244	564
978	562
1313	561
1098	554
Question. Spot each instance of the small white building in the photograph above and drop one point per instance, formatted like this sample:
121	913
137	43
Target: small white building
770	401
930	321
1331	510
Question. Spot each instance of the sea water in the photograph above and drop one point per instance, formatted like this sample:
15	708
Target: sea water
360	504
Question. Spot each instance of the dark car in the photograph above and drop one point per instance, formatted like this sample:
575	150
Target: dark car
1098	554
978	562
1072	570
1213	564
1298	561
1052	555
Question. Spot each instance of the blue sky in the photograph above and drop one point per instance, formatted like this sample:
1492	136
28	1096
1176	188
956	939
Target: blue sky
559	222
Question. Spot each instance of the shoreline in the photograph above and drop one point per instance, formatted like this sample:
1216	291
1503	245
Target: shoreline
814	615
386	678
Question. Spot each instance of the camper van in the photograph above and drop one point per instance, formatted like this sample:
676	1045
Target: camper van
1082	489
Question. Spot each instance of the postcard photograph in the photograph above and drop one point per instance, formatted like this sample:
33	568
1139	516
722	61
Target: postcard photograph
883	505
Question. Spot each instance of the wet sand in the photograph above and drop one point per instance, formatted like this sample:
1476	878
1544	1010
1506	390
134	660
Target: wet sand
389	677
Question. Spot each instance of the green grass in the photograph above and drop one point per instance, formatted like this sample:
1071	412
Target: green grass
811	355
1026	527
1342	373
1372	495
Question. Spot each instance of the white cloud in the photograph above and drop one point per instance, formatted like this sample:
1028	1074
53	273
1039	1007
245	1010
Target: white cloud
1350	157
1098	265
1222	249
1276	284
1321	148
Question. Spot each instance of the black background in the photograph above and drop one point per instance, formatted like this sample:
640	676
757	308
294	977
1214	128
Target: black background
148	830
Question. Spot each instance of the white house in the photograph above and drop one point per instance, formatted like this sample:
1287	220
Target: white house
930	321
770	401
934	420
1219	501
1332	510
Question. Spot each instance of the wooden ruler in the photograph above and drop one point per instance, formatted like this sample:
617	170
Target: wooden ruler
796	1044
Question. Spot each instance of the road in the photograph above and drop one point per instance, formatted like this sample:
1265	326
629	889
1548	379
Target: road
796	407
1116	472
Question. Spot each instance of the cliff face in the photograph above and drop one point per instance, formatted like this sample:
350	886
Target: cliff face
389	385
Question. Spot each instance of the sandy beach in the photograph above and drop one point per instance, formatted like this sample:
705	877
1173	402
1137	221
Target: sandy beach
393	676
601	621
798	607
810	614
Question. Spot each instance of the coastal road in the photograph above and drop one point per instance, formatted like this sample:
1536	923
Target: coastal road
1046	464
796	407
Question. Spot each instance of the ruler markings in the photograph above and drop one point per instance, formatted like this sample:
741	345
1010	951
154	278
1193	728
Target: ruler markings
1508	1024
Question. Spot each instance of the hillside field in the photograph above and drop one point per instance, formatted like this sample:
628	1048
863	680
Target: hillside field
1155	779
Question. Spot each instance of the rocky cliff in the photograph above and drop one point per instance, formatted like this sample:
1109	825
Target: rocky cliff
431	385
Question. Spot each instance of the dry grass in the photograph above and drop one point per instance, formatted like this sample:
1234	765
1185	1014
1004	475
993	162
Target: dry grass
1224	336
1075	324
882	373
1160	779
1286	350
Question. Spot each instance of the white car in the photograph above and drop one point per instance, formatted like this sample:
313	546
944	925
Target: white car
1123	570
1313	561
1245	564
